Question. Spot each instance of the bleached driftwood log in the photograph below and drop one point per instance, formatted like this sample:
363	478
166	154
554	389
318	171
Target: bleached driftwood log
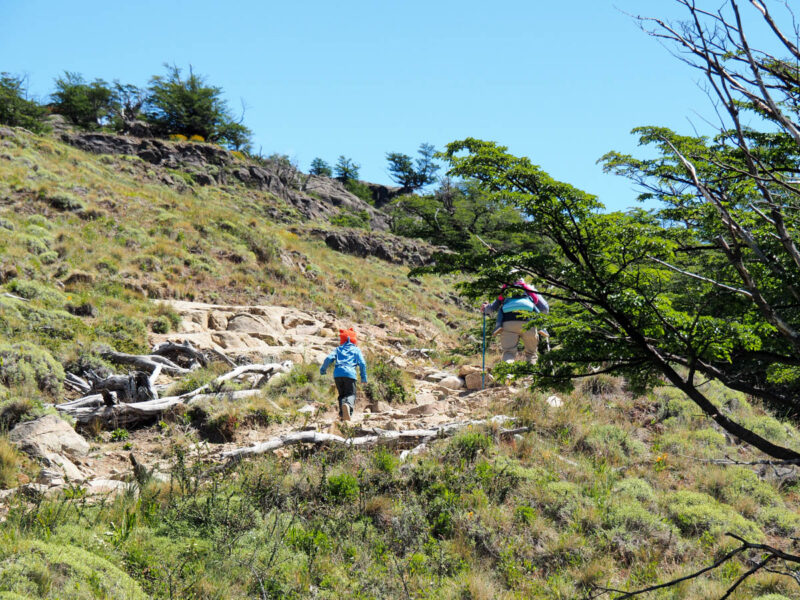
90	409
177	352
268	370
144	362
374	435
133	387
79	384
97	407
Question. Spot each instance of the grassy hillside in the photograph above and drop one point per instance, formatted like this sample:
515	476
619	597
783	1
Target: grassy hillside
609	490
89	240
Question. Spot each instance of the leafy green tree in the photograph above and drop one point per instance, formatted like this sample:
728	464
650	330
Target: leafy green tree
346	169
15	108
189	106
459	216
321	168
401	169
127	101
414	175
629	302
87	105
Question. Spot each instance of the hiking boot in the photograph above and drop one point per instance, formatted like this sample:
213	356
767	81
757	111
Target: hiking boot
344	412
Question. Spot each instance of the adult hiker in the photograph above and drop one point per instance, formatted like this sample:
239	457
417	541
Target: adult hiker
346	356
516	306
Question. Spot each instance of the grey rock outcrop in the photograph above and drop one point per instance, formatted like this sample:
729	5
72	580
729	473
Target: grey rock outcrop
48	434
313	197
381	245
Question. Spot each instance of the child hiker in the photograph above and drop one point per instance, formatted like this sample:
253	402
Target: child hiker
346	357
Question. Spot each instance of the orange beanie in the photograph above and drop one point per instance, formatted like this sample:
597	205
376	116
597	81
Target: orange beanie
344	334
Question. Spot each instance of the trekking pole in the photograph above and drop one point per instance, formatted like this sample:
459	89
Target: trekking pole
483	360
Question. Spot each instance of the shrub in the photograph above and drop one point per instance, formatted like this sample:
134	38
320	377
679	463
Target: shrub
120	435
125	334
64	201
695	512
468	445
348	218
360	190
25	364
611	442
777	520
33	290
384	461
343	488
635	488
39	569
178	137
197	138
733	483
387	383
160	325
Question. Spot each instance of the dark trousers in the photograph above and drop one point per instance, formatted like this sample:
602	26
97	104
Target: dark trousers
346	387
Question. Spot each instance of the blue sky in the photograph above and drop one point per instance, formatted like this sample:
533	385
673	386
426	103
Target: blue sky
559	82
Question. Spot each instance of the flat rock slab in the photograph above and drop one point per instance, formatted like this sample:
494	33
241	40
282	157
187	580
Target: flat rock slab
48	434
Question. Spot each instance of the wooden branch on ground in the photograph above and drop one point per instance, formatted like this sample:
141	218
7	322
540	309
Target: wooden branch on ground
95	407
175	352
144	362
270	370
134	387
79	384
373	436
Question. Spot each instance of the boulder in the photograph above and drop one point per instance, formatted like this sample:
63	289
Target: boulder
380	407
473	380
245	323
465	370
554	401
422	409
48	434
452	382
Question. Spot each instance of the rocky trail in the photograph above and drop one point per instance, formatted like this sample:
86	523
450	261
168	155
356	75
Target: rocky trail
442	401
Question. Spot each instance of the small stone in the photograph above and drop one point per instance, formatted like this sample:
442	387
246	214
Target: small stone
308	409
554	401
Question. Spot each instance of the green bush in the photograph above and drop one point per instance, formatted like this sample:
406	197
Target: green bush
63	201
125	334
33	290
360	190
25	364
467	445
160	325
387	383
778	520
343	488
695	513
348	218
611	442
43	570
635	488
120	435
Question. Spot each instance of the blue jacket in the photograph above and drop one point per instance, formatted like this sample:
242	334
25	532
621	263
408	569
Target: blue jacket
346	356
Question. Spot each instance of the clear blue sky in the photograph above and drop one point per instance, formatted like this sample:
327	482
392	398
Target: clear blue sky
560	82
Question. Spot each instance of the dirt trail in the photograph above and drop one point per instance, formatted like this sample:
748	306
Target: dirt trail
273	334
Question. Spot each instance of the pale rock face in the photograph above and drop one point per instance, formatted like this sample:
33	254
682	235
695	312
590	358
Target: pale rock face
465	370
48	434
473	380
452	382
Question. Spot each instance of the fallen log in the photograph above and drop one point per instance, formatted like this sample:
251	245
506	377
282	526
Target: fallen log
268	370
93	408
121	414
374	435
175	351
133	387
144	362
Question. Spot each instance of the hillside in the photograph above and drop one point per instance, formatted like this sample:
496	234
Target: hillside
435	489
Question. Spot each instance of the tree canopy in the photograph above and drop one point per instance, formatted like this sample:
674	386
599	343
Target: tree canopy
85	104
15	108
410	174
705	286
189	106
